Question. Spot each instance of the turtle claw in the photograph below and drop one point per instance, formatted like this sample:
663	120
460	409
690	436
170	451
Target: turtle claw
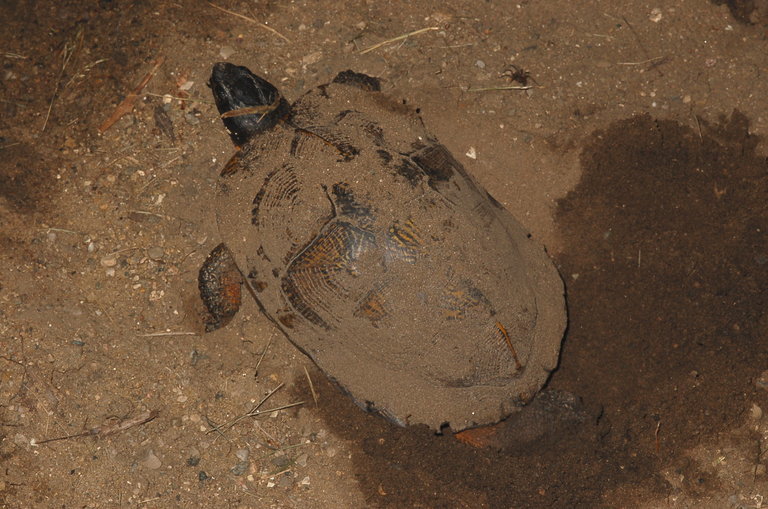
220	285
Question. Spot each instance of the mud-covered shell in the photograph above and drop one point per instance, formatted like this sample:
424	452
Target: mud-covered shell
375	252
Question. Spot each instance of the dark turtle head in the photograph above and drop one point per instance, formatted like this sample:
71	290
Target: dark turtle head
249	105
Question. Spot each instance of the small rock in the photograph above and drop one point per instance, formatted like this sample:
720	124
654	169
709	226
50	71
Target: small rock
312	58
331	452
193	461
480	64
226	51
281	461
109	260
762	381
151	461
191	118
156	253
302	460
305	481
242	454
285	480
202	475
471	153
240	468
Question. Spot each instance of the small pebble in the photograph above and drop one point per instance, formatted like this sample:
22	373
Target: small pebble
471	153
305	481
285	480
312	58
480	64
191	118
151	461
762	381
202	475
226	51
240	468
109	260
156	253
242	454
193	461
281	461
302	460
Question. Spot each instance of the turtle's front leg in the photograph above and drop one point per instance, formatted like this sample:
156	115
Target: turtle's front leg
220	284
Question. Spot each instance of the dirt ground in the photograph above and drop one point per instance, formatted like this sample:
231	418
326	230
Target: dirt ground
637	155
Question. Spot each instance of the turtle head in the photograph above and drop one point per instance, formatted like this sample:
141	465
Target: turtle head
248	104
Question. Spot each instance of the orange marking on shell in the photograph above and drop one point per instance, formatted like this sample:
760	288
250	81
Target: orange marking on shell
232	166
372	307
477	437
508	342
231	292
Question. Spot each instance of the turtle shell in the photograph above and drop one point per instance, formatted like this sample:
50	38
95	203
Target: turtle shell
377	254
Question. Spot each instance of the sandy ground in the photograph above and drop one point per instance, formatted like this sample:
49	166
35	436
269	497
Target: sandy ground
637	156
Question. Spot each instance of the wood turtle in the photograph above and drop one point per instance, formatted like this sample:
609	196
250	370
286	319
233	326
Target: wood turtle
375	252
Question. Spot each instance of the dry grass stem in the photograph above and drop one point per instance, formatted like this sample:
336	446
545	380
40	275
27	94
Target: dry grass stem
162	334
262	25
650	60
261	358
253	412
398	38
62	230
311	385
178	98
108	429
127	104
66	56
508	87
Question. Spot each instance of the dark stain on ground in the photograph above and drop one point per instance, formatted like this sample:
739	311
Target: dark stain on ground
666	260
747	11
25	179
666	267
